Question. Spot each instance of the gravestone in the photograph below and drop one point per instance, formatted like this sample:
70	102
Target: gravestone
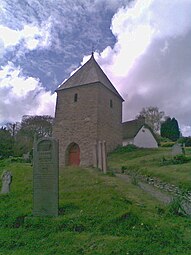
6	182
177	149
26	156
45	177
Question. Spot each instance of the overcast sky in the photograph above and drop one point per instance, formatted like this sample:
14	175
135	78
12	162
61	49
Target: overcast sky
143	46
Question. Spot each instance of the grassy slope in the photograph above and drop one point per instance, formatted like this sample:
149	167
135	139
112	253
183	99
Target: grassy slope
148	162
98	215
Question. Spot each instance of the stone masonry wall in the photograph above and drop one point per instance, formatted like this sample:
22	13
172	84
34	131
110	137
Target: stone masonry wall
77	121
109	118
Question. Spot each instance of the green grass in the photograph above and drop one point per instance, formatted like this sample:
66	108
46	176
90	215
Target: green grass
149	162
99	214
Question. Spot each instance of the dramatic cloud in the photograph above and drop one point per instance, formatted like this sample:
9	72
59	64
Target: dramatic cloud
143	47
22	95
30	37
41	42
150	63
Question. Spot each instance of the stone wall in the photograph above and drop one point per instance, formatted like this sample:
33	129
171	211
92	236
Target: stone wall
174	191
76	121
109	118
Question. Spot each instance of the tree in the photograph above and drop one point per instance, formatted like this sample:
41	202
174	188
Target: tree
39	126
13	128
170	129
6	143
153	117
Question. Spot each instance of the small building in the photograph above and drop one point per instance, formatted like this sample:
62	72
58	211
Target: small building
138	133
88	110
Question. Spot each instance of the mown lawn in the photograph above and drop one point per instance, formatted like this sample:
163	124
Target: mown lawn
99	214
149	162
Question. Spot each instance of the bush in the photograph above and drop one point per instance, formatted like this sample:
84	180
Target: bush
178	159
185	140
167	144
128	148
181	159
176	206
164	139
17	159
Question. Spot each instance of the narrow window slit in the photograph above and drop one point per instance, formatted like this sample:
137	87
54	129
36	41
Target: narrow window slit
111	103
75	97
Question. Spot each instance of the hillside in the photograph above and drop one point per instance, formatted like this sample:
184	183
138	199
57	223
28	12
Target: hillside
99	214
154	162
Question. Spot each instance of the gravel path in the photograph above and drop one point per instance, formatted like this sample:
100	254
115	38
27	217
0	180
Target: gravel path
161	196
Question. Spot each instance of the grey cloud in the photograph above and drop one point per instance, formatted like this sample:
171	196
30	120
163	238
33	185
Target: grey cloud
167	77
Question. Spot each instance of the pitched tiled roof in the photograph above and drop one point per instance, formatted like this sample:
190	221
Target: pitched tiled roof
89	73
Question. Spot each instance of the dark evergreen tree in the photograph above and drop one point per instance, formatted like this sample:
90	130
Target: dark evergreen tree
170	129
165	128
175	130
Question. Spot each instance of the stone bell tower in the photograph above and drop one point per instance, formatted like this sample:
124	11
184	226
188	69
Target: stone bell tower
88	110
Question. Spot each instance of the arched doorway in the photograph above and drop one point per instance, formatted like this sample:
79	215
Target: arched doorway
73	153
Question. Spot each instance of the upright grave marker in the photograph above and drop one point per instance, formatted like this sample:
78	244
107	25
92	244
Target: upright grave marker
6	182
45	177
177	149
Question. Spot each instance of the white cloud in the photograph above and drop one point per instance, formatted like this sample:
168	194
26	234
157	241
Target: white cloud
186	130
22	95
150	64
31	36
9	37
137	25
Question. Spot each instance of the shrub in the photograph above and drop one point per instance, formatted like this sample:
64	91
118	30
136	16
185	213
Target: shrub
128	148
17	159
167	144
164	139
176	206
185	140
180	159
123	168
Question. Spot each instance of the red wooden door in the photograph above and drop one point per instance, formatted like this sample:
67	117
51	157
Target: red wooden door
74	155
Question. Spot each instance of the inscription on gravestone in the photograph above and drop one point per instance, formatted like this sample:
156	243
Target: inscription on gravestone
45	177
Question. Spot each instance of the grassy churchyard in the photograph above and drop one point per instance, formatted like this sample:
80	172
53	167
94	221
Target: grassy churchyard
98	214
156	163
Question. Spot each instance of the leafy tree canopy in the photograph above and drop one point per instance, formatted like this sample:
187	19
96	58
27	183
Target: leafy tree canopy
152	116
39	125
23	133
6	143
